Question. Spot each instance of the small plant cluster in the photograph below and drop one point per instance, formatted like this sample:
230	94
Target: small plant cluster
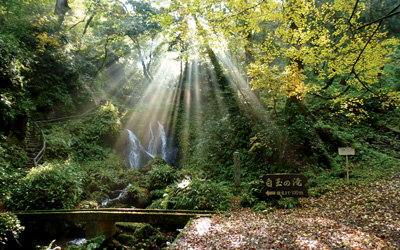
197	194
48	186
91	244
9	226
142	236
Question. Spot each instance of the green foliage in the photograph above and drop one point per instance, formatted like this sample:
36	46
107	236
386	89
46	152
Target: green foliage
9	226
215	141
85	139
199	194
140	196
91	244
13	156
108	174
12	163
367	166
49	186
288	203
251	193
160	176
142	236
104	123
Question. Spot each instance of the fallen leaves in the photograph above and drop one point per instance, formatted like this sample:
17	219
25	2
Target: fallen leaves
363	217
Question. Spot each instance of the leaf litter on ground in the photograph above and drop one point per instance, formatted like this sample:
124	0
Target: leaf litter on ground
350	217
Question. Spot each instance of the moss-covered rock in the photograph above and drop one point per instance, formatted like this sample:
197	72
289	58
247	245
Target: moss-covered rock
127	239
145	231
139	197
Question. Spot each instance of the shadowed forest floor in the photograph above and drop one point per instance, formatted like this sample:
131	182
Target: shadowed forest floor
349	217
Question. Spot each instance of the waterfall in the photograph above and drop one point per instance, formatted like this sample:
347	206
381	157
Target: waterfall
163	142
158	144
152	147
134	148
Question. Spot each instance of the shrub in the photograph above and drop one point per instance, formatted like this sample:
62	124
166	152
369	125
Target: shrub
108	174
13	161
48	186
198	194
160	176
9	226
288	202
101	127
85	139
13	155
251	193
140	196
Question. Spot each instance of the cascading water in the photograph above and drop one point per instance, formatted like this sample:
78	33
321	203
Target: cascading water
123	191
151	147
158	145
163	141
135	148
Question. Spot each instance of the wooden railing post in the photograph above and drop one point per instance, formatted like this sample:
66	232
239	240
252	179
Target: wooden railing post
236	166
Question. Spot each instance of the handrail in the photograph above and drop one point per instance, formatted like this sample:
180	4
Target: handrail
43	150
40	155
68	117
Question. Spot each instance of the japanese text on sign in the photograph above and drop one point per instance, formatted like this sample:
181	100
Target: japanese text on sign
279	183
284	185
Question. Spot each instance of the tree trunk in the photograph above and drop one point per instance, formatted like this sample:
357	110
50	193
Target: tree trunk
61	9
248	51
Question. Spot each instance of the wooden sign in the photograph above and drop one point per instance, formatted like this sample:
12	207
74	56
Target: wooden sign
284	185
347	151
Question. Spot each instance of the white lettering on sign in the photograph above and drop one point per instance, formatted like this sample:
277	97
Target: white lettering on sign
278	183
347	151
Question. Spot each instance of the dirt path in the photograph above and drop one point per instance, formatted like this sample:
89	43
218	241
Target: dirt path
364	217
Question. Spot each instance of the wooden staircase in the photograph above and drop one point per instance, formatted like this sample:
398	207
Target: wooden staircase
33	147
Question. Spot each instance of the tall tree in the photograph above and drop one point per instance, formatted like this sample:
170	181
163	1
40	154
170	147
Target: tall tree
61	9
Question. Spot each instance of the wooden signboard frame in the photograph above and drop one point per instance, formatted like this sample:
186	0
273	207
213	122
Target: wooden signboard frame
347	151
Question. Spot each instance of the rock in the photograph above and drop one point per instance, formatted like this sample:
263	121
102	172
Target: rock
93	187
126	239
123	200
114	194
145	231
88	205
140	197
117	186
128	226
98	196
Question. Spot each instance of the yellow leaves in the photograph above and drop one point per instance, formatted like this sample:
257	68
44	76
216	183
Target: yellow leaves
294	82
254	143
259	140
352	108
323	39
391	99
39	22
45	40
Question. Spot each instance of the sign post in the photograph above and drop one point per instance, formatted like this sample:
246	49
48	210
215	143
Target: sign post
347	151
284	185
236	166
